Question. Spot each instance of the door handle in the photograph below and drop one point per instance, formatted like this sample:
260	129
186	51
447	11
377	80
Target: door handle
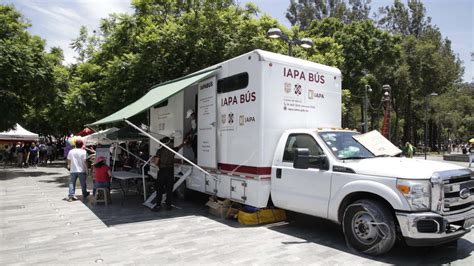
278	173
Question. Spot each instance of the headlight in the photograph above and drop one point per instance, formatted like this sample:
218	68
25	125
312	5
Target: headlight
417	193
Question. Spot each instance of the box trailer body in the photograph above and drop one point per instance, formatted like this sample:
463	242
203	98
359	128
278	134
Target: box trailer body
241	114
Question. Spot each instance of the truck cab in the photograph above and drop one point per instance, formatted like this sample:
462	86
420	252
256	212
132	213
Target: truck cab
328	174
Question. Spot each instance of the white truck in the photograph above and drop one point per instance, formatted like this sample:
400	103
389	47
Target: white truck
268	129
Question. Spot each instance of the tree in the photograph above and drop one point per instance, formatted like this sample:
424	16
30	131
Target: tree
408	20
160	41
26	71
369	56
301	13
427	63
453	114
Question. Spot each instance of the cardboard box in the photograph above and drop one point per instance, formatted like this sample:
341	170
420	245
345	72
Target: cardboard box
218	208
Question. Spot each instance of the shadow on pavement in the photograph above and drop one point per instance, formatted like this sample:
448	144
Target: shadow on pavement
62	181
19	174
323	232
131	210
307	228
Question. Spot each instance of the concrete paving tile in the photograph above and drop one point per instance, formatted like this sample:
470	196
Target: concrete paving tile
131	234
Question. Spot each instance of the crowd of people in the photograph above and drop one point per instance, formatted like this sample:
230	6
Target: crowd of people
82	162
26	154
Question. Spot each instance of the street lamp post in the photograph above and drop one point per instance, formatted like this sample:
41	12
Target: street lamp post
276	33
387	106
426	119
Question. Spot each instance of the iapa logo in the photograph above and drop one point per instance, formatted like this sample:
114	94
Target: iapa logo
313	94
298	89
246	119
231	118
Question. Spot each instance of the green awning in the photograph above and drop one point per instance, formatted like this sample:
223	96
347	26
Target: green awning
126	133
158	94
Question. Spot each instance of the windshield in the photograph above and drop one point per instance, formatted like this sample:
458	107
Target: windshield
343	146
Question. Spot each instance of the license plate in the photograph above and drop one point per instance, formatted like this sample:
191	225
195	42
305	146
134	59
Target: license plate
469	222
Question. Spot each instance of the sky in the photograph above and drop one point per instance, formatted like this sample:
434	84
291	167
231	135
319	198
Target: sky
58	21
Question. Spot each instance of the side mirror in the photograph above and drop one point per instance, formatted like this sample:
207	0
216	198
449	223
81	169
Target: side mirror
323	162
301	159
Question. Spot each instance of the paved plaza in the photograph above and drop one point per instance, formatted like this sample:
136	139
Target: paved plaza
38	227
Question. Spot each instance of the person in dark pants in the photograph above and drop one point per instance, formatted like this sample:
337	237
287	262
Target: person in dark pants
192	134
164	159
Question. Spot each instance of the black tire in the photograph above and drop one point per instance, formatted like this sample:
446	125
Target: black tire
369	227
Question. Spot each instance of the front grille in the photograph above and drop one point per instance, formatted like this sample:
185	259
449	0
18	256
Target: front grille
458	179
458	194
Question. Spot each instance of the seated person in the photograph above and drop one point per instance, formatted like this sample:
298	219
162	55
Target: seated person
102	174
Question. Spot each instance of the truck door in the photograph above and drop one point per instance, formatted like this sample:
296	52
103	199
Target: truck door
302	190
206	123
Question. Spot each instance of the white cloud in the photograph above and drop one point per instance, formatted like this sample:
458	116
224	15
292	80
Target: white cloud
100	9
59	21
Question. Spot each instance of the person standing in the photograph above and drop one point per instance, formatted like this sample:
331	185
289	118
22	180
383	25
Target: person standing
471	154
76	163
408	150
12	157
42	154
33	155
20	152
164	159
192	134
49	153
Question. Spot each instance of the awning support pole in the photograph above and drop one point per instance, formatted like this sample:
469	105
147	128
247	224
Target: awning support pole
170	149
143	178
127	151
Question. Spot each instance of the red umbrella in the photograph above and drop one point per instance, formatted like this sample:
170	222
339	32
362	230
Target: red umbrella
86	131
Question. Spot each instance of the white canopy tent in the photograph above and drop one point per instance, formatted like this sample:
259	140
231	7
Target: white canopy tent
18	133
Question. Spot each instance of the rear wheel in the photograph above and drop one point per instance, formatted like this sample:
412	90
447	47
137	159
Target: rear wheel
369	227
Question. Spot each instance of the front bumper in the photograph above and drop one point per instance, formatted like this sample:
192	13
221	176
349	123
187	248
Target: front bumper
431	229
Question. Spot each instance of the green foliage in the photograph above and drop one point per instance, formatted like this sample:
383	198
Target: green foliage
163	40
166	39
401	49
346	100
407	20
454	112
26	71
303	12
10	101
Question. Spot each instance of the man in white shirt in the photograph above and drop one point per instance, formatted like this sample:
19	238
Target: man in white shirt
76	163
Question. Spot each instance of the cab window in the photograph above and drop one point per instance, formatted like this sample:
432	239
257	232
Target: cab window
295	141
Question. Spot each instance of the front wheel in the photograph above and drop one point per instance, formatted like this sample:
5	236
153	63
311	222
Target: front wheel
369	227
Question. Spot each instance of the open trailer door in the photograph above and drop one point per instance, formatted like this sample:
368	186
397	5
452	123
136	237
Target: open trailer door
206	123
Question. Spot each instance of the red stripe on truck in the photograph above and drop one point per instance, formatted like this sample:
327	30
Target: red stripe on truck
245	169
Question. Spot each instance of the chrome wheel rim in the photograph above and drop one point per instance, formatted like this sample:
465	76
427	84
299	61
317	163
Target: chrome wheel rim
364	228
